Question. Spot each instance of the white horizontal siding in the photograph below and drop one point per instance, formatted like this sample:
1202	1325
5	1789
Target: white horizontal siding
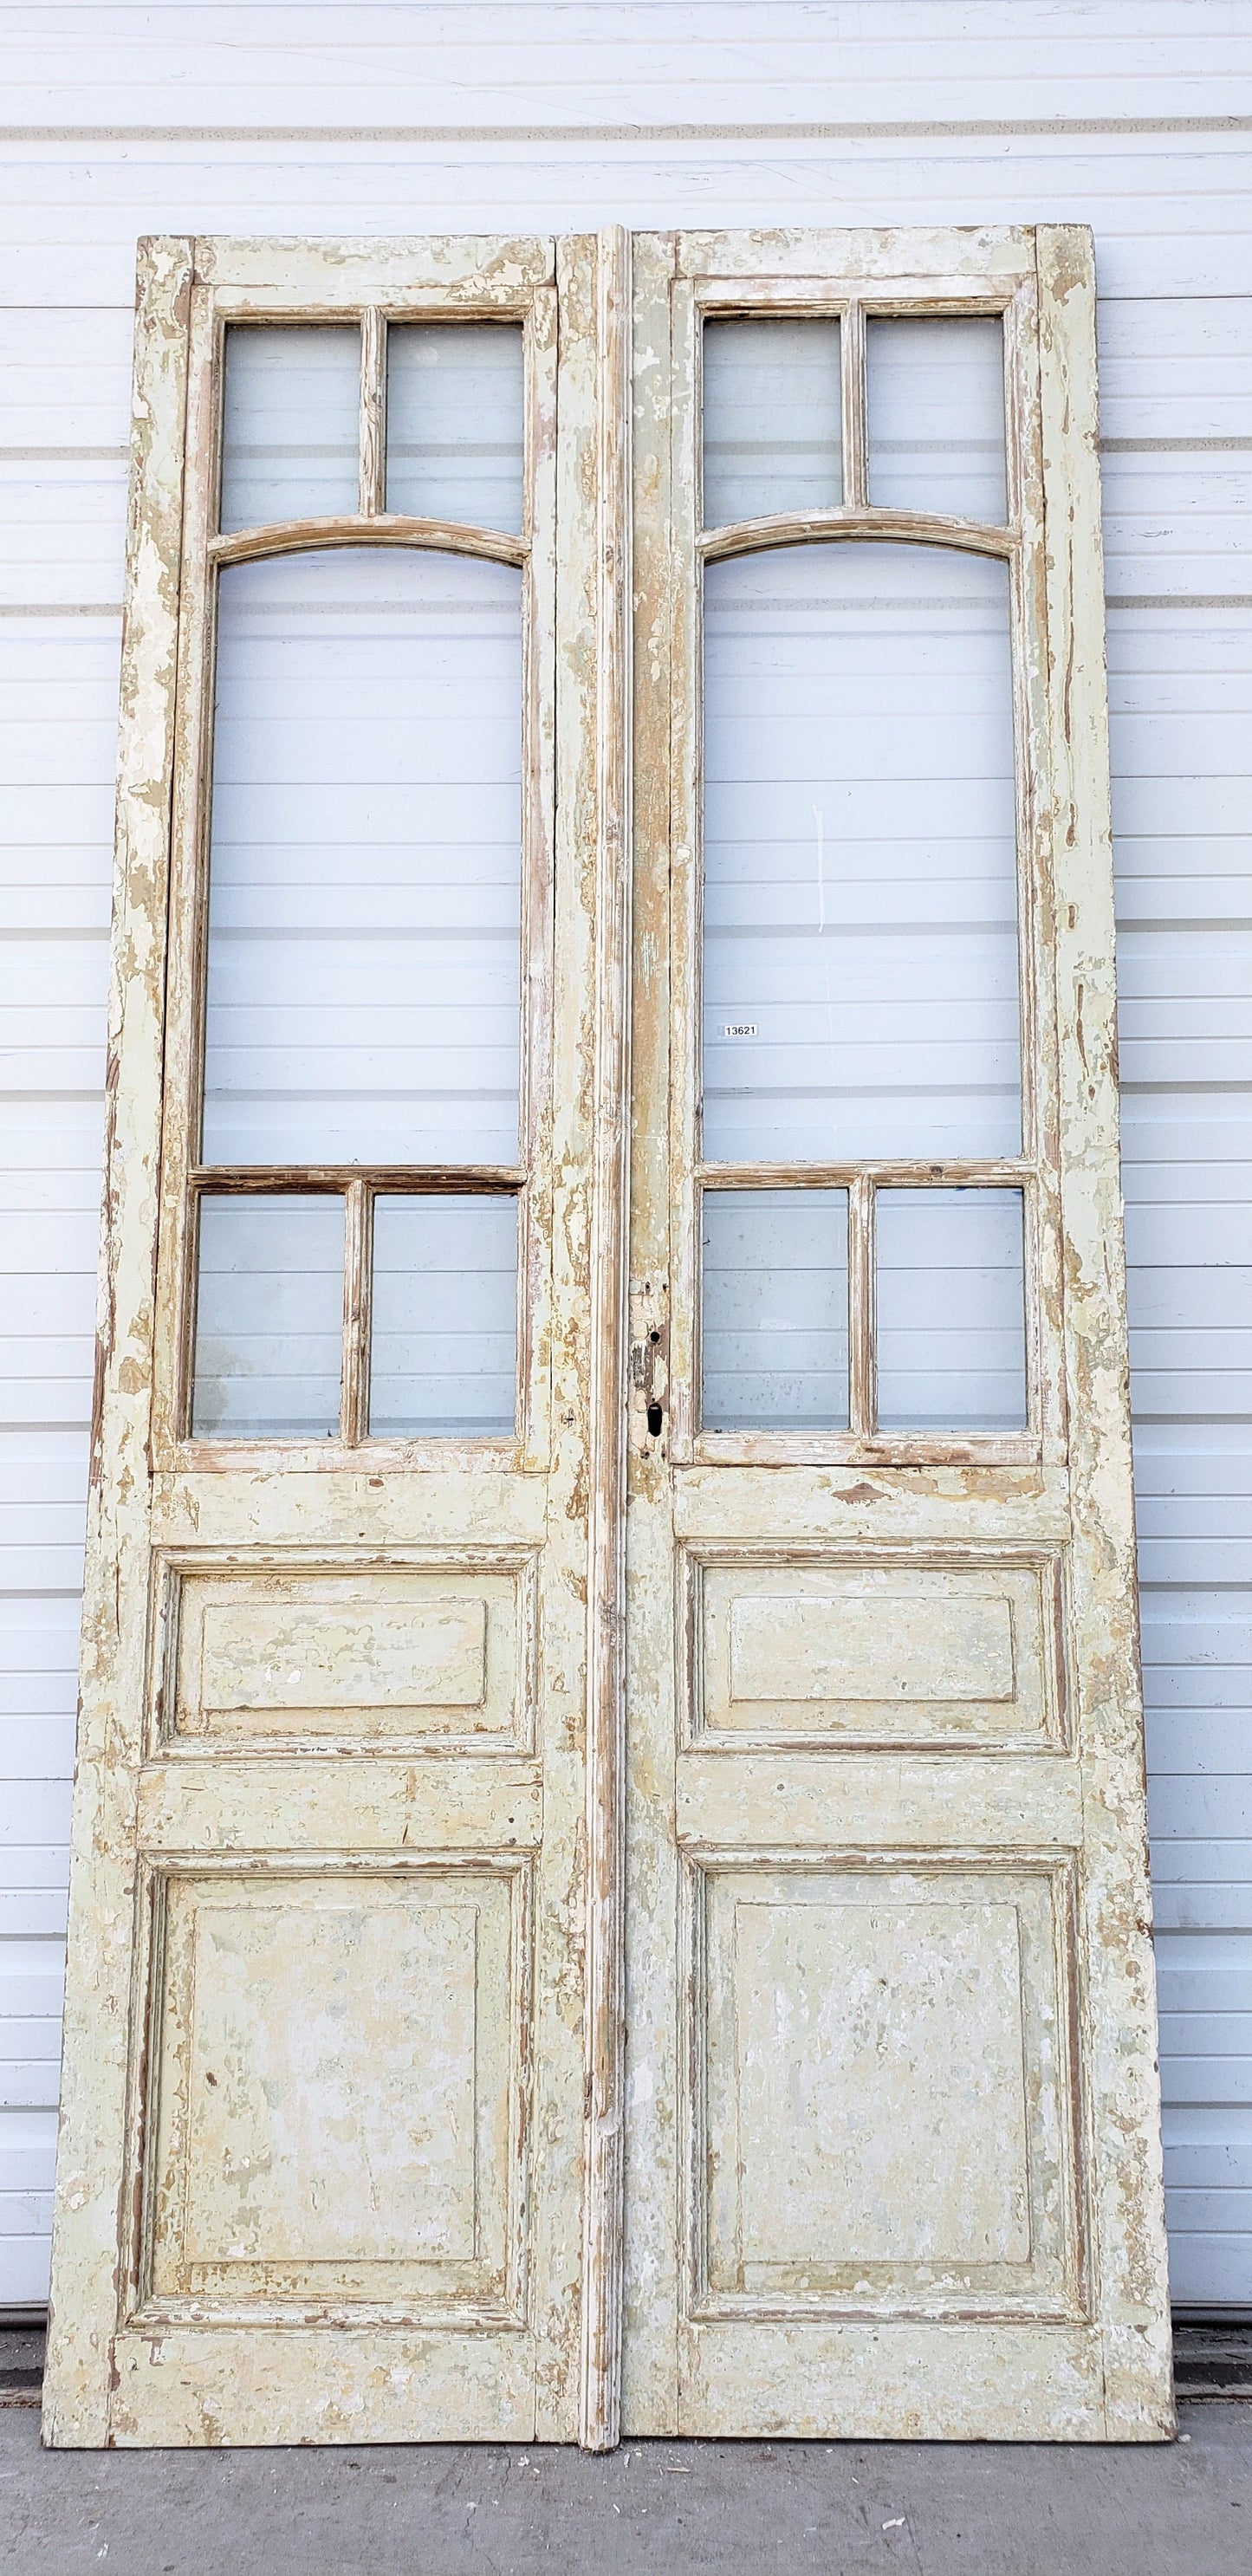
618	62
378	117
1181	705
1171	212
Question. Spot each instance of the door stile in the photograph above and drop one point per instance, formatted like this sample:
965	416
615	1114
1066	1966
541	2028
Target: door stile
603	2251
102	2005
650	2388
1124	2145
686	914
1032	711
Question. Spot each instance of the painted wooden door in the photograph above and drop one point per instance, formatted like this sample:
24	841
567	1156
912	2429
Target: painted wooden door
324	2124
349	2081
892	2163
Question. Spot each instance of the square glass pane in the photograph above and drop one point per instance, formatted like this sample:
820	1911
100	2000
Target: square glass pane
775	1310
269	1319
290	422
444	1328
936	416
773	419
951	1310
860	856
363	1000
456	422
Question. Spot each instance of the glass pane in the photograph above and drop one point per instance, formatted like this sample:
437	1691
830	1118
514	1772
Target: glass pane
444	1341
773	426
951	1311
775	1329
455	415
290	423
269	1318
936	416
860	942
364	904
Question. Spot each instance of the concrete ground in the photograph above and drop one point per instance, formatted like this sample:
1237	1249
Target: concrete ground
653	2509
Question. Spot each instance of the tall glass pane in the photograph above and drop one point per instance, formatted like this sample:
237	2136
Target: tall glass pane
444	1316
455	421
269	1318
951	1310
773	427
935	396
290	422
364	906
860	884
775	1310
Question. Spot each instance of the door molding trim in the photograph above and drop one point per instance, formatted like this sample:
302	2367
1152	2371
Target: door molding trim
603	2215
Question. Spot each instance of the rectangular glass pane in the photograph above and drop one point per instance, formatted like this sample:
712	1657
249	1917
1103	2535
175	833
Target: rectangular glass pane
290	422
444	1338
269	1318
773	423
775	1310
936	416
364	901
860	869
455	422
951	1310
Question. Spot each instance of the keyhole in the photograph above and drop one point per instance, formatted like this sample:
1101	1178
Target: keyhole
654	1421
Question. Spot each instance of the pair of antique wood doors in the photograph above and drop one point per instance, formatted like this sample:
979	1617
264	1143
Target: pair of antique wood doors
609	1885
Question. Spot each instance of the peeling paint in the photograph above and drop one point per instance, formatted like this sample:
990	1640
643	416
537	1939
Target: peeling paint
822	1795
776	1798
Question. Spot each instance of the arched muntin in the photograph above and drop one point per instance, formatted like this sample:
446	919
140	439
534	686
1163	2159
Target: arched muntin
303	536
821	527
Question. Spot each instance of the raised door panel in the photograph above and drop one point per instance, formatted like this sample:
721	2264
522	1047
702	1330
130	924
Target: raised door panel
912	1651
886	2104
440	1655
338	2094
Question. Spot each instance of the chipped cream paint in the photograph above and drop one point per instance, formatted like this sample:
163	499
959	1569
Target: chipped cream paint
600	2403
285	2212
943	1818
782	1650
795	2262
433	1657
